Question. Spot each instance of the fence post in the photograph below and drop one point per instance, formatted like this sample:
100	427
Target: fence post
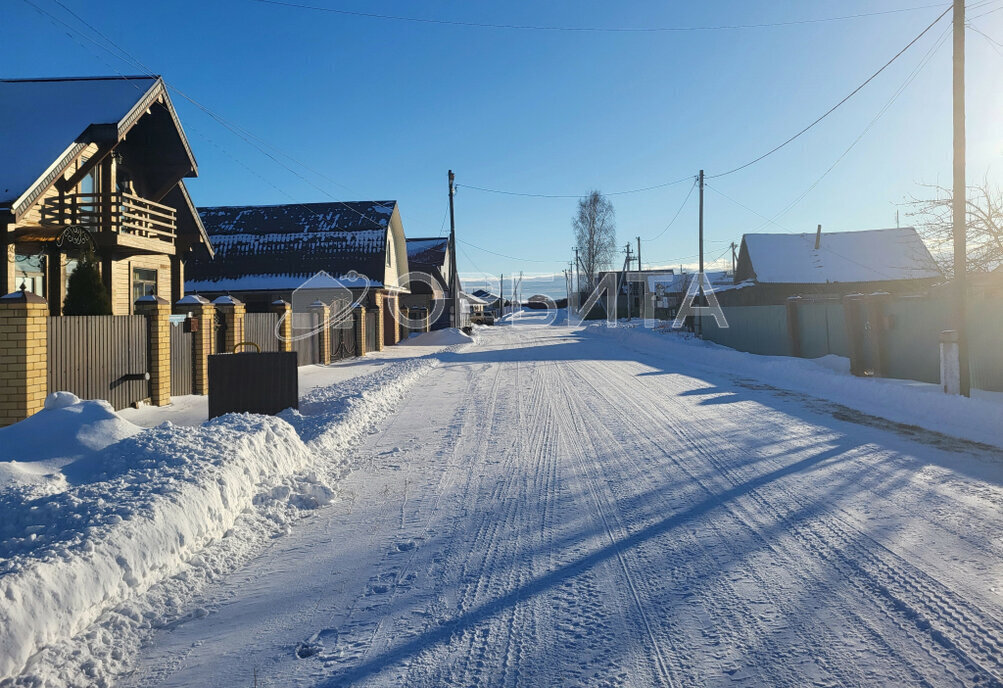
379	325
24	355
158	326
359	318
794	325
233	311
950	362
879	326
393	336
323	312
204	314
285	312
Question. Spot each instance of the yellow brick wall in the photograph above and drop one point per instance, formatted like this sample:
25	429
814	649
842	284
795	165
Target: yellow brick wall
23	358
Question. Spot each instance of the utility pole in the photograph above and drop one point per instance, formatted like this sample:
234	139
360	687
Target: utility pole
638	254
627	283
578	274
501	295
960	224
699	292
733	247
454	290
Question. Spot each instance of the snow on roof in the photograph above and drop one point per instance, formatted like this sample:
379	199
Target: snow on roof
472	299
428	251
41	118
263	247
863	256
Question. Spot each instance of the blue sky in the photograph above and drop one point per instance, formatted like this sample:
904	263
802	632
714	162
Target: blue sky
382	108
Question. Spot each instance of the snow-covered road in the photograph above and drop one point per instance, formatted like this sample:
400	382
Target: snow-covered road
548	509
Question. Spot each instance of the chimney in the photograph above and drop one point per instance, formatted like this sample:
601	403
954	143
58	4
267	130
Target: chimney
818	237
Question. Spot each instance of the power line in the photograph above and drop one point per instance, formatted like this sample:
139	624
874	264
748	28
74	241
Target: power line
586	29
549	195
503	255
837	105
676	216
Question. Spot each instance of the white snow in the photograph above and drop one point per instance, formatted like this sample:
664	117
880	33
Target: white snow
121	510
863	256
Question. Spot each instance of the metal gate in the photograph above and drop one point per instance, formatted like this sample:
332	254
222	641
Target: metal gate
99	357
260	329
182	360
305	335
343	340
370	326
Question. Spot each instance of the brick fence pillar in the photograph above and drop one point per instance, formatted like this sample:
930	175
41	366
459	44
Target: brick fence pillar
379	327
158	326
285	312
24	355
359	318
323	312
203	315
233	312
390	306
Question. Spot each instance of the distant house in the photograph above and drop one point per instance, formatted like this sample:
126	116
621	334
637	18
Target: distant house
429	257
95	164
773	267
491	301
266	252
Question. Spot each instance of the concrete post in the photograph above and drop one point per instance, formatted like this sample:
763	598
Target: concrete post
203	315
233	312
158	323
285	312
24	361
323	312
950	362
359	315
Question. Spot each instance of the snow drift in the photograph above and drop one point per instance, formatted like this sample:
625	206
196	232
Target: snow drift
169	507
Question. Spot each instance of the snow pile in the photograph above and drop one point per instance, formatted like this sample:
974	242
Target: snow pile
446	337
900	401
143	519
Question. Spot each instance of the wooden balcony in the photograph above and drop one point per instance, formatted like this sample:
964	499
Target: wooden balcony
119	219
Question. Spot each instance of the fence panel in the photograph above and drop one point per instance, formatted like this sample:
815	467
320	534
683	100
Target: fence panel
755	329
371	326
912	337
822	329
260	329
985	338
305	338
99	357
182	360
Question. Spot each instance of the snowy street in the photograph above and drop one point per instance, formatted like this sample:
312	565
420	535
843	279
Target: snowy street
548	508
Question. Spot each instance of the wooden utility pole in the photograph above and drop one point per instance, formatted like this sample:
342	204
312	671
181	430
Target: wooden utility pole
578	274
699	323
733	247
501	295
454	287
959	209
638	254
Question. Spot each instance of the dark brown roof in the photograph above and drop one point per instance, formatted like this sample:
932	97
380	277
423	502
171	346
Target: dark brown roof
266	247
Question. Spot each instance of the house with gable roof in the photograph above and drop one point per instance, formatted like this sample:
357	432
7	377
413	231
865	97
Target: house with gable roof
429	263
264	253
95	164
773	267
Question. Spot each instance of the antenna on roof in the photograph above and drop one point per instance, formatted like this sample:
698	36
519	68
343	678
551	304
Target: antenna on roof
818	237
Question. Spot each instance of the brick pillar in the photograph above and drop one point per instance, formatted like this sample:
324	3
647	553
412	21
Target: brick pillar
323	312
233	311
158	326
24	355
359	316
285	312
203	315
392	336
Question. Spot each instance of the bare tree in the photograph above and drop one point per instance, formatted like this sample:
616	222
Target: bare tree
984	218
595	233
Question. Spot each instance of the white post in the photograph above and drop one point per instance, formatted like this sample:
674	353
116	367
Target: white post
950	362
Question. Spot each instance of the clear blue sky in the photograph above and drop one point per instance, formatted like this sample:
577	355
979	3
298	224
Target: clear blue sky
383	108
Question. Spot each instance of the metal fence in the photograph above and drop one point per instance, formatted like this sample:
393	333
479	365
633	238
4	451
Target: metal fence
343	340
182	360
99	357
260	329
307	347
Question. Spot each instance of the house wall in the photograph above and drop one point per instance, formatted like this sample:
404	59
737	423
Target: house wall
122	302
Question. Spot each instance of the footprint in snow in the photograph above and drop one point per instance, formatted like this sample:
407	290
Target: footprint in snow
316	643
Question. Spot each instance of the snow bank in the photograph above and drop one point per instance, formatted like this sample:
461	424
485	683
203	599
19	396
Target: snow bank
159	512
900	401
446	337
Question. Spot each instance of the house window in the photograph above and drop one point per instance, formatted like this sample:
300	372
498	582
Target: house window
30	272
144	282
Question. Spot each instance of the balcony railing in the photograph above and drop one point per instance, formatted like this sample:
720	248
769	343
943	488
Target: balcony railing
127	214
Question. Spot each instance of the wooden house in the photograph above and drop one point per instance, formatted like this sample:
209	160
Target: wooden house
428	261
773	267
266	253
95	164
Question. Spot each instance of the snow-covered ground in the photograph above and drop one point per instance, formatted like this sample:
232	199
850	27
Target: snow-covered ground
550	507
546	506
